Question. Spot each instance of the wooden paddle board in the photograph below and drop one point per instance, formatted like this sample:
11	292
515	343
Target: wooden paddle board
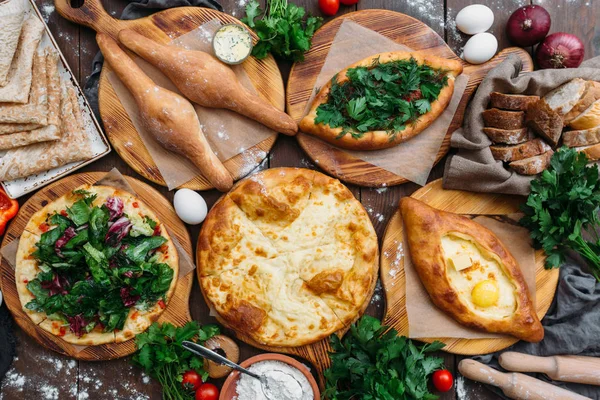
177	311
163	27
404	30
393	252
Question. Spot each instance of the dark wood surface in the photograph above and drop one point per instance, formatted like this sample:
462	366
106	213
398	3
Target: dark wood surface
41	374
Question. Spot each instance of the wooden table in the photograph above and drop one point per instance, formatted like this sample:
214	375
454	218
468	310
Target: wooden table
40	374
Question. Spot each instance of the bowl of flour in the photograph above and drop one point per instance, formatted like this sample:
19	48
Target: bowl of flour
288	380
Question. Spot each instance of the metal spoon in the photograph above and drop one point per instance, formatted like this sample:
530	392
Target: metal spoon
266	383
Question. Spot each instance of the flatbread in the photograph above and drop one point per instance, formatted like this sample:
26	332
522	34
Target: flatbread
12	14
74	145
15	128
19	77
26	267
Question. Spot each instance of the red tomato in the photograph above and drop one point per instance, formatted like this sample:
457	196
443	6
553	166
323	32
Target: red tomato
442	380
329	7
207	391
348	2
191	380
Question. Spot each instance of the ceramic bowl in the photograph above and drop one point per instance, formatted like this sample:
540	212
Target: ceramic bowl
228	390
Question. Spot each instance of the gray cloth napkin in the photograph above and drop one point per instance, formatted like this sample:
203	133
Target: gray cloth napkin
572	326
473	168
134	10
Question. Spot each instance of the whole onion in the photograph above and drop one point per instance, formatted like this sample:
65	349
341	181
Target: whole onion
560	50
528	25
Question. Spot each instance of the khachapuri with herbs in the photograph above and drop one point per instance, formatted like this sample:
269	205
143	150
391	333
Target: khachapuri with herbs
288	257
382	101
95	266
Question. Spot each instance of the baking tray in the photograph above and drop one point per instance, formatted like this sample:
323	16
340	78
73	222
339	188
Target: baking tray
100	146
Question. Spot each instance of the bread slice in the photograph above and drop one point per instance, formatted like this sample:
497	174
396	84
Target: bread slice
591	94
519	151
532	165
592	152
508	136
581	138
545	122
514	102
563	98
588	119
496	118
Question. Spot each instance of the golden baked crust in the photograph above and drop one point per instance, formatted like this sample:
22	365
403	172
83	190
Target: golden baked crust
27	267
376	140
288	257
425	229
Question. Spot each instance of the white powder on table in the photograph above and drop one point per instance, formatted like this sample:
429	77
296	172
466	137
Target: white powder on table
285	383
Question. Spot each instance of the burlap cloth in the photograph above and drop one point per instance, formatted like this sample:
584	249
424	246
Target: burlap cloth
473	168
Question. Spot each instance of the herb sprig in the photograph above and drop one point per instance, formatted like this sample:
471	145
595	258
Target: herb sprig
373	362
563	208
384	96
282	29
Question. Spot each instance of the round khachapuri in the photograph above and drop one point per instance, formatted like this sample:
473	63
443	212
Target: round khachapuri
95	266
288	257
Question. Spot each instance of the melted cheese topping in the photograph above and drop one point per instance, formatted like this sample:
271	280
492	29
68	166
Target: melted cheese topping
467	265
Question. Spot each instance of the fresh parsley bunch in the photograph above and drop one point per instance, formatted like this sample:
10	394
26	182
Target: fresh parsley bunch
282	29
373	363
161	355
563	207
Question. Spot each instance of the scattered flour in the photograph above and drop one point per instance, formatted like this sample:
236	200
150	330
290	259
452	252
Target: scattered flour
377	294
47	10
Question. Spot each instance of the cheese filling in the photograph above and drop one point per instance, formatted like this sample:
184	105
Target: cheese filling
478	278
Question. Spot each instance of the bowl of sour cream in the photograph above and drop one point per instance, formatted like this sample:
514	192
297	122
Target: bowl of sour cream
291	380
232	44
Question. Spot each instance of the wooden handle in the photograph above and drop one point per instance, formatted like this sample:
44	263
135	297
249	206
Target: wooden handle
91	14
515	385
561	368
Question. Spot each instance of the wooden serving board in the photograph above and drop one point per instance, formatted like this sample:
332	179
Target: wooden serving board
459	202
404	30
163	27
177	311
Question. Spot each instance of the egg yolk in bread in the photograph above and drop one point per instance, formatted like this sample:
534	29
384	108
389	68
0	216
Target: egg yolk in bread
478	277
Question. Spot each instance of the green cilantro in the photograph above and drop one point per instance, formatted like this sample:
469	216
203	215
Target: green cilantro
373	362
384	96
563	207
282	30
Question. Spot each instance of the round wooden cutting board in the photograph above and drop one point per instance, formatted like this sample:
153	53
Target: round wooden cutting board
163	27
177	311
459	202
404	30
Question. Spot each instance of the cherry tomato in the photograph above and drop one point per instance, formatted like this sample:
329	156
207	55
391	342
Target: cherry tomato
348	2
442	380
329	7
191	380
207	391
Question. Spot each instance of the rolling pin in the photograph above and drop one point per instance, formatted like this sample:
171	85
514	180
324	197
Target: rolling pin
515	385
577	369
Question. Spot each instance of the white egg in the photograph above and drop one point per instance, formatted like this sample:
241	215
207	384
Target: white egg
190	206
474	19
480	48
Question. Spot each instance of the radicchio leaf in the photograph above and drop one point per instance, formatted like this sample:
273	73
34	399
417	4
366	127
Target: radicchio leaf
77	325
129	300
115	207
63	240
57	285
117	231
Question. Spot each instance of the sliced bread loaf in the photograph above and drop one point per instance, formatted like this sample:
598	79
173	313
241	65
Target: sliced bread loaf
588	119
532	165
591	94
514	102
495	118
508	136
563	98
519	151
545	122
581	138
592	152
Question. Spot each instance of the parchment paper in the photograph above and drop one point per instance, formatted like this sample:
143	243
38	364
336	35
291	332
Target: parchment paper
413	159
425	320
228	133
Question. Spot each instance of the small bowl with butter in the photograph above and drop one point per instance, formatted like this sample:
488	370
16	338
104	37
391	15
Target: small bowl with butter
232	44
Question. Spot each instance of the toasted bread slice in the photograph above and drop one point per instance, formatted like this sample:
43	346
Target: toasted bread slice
532	165
501	119
519	151
513	102
508	136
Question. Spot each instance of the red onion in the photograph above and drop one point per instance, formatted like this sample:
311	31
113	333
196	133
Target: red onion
560	50
528	25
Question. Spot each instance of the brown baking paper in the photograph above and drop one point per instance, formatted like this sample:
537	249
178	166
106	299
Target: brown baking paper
228	133
425	320
414	159
114	179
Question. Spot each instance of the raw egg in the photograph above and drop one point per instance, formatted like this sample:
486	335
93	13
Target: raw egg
485	293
